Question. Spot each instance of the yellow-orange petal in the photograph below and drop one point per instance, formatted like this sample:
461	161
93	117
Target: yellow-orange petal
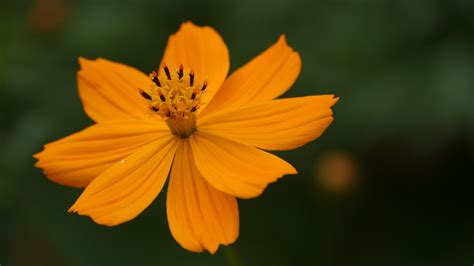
203	49
264	78
200	217
123	191
109	90
79	158
235	168
281	124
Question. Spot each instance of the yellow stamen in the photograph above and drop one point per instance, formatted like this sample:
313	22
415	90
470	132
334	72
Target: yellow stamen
175	96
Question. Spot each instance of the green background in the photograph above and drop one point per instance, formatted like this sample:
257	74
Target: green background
404	70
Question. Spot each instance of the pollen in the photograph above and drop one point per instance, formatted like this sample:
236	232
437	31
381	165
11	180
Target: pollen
175	96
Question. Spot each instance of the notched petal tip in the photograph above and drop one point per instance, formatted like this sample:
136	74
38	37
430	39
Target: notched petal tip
328	99
187	26
72	209
37	156
296	58
188	23
38	164
282	40
84	61
292	170
214	250
40	159
333	99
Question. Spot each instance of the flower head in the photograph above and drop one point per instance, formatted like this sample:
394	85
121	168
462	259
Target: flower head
187	120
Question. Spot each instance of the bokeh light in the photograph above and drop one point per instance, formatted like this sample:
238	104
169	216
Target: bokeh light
47	16
336	172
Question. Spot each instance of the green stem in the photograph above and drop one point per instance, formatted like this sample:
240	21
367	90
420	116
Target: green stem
232	257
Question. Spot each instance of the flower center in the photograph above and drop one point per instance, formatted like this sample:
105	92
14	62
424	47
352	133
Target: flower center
175	96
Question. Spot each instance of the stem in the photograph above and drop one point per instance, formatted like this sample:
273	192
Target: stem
232	257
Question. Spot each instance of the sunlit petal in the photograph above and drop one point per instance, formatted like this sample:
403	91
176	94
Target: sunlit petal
109	90
274	125
202	49
127	188
79	158
235	168
200	217
264	78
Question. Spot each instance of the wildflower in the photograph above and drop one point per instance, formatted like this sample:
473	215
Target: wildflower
187	117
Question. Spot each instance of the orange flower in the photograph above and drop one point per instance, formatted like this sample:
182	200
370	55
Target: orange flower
189	118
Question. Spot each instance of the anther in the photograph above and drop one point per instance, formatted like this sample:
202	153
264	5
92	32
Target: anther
204	86
180	71
191	78
154	78
175	97
167	71
144	94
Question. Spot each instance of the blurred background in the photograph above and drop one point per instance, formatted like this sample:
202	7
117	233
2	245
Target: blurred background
389	183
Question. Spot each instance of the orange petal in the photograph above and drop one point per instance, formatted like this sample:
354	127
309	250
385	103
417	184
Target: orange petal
264	78
123	191
235	168
79	158
203	49
109	90
200	217
274	125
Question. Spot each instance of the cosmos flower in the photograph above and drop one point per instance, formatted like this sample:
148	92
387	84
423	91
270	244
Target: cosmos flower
186	120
